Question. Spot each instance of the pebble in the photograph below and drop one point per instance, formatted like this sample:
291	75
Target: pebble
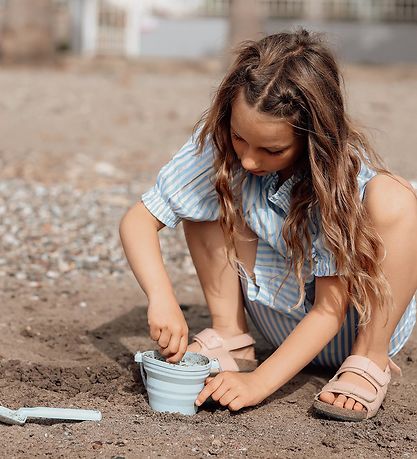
216	447
97	444
57	231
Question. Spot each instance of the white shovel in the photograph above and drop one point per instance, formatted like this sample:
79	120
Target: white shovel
22	414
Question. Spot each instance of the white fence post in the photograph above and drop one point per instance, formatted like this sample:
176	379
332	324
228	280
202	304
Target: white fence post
76	12
89	27
132	28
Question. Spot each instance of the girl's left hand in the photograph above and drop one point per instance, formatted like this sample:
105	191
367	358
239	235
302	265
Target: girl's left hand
234	390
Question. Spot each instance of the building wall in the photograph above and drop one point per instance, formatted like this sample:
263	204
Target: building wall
354	41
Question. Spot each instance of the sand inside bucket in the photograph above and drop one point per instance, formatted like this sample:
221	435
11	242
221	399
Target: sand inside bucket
190	359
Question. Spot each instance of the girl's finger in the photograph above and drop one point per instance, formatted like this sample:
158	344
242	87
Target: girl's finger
236	404
164	339
181	351
183	344
209	388
155	333
227	397
173	349
220	392
174	344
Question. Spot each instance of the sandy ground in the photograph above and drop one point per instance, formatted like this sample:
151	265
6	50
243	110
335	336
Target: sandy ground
69	341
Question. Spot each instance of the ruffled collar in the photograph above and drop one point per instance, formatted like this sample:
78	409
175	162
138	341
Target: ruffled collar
279	194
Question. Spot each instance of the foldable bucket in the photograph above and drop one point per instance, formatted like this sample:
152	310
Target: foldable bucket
174	387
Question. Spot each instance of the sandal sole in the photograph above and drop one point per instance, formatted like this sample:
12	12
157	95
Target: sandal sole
339	414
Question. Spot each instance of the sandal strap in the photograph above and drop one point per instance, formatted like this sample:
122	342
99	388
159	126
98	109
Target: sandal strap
370	401
212	340
349	389
214	346
364	367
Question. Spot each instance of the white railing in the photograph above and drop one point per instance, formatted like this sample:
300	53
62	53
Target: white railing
284	8
108	28
111	23
378	10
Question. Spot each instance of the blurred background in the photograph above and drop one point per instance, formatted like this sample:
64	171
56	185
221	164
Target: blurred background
373	31
96	95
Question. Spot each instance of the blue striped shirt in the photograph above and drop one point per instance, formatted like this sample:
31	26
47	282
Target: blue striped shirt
185	190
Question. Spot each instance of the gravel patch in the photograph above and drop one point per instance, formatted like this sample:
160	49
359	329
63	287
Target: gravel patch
59	231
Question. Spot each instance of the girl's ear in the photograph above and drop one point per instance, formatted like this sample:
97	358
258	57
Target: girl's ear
301	137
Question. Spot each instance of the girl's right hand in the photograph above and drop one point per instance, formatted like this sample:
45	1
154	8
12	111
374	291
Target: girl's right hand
167	326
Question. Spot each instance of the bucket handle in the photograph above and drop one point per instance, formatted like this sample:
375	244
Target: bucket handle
215	365
139	360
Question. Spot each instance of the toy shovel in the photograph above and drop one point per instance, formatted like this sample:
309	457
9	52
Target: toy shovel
22	414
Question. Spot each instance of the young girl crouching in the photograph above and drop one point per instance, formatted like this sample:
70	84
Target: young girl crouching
290	215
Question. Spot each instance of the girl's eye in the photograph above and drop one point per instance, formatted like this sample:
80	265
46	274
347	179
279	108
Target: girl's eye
236	137
275	153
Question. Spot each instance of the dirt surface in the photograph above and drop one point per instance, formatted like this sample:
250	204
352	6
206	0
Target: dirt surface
68	330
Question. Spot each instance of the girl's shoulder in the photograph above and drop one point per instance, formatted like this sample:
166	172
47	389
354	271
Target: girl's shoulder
390	198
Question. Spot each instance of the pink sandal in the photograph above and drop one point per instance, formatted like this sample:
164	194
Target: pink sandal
371	372
214	346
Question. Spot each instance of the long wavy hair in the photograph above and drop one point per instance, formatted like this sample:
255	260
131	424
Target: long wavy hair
294	76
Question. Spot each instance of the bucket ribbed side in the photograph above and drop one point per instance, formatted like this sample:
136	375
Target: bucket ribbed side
173	388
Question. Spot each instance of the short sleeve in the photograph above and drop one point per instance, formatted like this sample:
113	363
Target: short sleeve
365	174
324	261
184	187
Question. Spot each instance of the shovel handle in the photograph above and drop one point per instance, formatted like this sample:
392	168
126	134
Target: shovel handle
60	413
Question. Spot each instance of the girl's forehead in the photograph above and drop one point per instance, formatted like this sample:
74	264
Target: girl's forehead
259	127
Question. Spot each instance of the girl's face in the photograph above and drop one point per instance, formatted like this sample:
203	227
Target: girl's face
263	143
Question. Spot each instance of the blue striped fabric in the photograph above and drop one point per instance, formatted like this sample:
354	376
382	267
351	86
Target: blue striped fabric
185	190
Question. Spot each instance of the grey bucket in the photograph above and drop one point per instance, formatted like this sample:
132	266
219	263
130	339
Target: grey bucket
174	387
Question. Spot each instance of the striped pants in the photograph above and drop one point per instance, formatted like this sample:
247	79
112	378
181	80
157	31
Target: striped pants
276	324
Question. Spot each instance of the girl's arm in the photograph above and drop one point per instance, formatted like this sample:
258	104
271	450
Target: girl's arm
139	236
309	337
321	324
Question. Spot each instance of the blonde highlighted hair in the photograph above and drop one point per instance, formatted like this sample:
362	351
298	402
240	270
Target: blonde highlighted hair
295	76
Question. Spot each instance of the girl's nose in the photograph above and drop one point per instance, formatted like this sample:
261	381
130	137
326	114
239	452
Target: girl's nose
249	161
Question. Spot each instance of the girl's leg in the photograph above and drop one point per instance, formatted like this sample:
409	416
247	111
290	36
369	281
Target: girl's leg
400	269
219	280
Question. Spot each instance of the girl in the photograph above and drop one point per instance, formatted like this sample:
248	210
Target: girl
271	192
